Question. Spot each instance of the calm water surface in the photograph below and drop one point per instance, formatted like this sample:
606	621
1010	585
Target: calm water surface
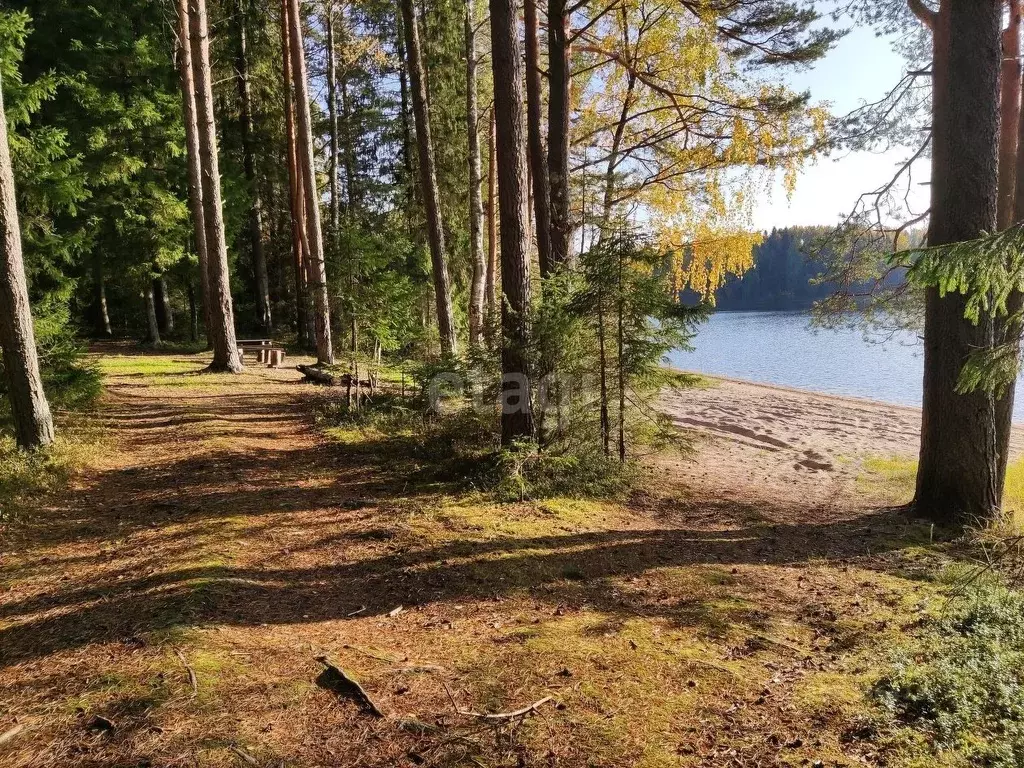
781	348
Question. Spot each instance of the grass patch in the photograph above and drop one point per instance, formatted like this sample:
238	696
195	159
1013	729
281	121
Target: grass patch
892	479
460	450
24	477
145	365
626	685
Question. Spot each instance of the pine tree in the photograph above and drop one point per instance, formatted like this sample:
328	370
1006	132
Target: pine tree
958	474
33	423
295	194
559	105
245	124
316	272
195	174
507	67
476	210
539	176
225	349
428	181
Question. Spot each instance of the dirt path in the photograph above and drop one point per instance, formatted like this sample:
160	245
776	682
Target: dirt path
223	539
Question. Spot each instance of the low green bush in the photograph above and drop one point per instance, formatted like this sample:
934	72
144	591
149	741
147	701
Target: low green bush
960	682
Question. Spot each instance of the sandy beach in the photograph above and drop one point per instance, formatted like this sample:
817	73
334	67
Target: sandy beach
797	447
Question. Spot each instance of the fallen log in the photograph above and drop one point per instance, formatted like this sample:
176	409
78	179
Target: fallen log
317	376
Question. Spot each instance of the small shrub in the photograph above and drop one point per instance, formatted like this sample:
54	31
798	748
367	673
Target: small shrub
522	472
961	682
24	476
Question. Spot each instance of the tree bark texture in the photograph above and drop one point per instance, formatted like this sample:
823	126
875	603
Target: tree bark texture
101	317
428	181
1009	115
33	424
294	184
476	209
225	350
559	83
539	176
958	475
195	173
1011	195
152	321
332	115
315	269
507	65
164	310
491	280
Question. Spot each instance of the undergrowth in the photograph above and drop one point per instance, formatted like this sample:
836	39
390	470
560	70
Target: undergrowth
26	476
72	384
956	689
461	447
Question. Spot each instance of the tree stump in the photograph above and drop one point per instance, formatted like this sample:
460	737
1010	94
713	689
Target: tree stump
276	358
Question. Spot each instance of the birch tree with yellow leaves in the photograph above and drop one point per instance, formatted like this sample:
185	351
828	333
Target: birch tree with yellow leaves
680	130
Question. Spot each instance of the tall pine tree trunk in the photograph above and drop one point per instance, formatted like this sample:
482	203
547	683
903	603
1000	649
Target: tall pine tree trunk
958	478
559	82
602	361
491	281
348	150
507	65
193	315
195	172
476	209
332	115
164	310
428	182
411	194
33	424
225	349
620	358
1009	116
152	318
315	269
539	177
256	247
294	183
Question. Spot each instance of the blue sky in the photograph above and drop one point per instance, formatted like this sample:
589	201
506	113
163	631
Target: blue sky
862	67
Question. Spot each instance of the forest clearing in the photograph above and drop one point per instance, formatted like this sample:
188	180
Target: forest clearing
221	542
345	414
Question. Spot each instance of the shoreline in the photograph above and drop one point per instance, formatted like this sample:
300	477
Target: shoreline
797	446
853	399
813	393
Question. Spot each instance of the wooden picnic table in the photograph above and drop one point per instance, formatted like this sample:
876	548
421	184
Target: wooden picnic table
265	349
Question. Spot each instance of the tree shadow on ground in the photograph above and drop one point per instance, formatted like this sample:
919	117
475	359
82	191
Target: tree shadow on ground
333	500
119	606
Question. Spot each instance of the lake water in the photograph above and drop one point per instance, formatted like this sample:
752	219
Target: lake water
781	348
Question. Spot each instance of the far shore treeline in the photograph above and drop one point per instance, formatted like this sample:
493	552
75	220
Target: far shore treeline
793	269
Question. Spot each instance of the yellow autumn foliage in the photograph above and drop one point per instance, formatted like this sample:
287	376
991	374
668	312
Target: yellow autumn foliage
674	133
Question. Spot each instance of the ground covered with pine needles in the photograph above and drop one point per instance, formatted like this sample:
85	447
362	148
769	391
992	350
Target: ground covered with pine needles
177	606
